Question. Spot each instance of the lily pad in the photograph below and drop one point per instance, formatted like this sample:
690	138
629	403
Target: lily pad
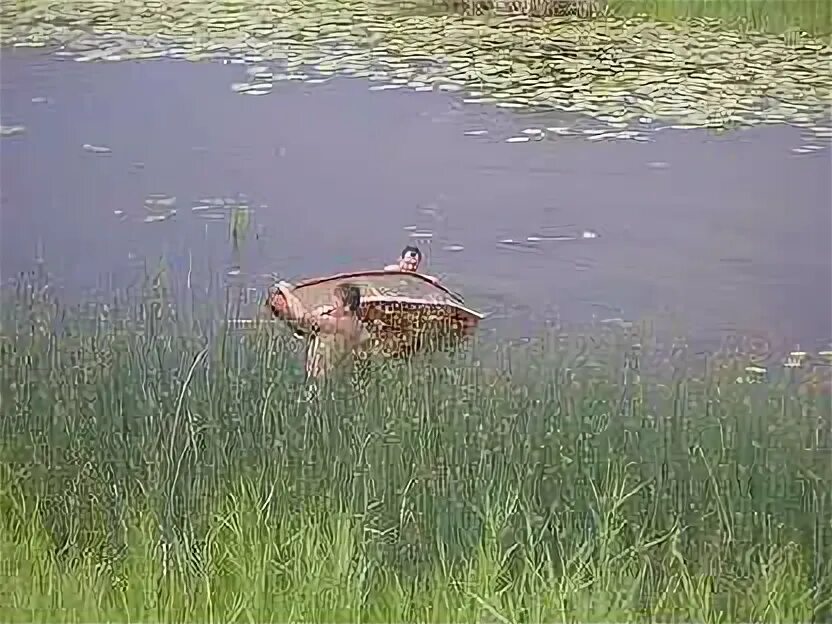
693	74
96	149
10	131
158	217
160	202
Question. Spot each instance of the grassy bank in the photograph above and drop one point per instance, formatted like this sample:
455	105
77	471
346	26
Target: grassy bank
156	470
774	16
787	17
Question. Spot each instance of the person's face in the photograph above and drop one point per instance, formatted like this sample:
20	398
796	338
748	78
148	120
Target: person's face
409	262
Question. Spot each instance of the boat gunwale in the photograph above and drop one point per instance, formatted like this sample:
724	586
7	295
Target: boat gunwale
454	302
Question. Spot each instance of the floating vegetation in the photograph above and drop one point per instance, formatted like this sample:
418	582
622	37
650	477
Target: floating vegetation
159	202
10	131
262	74
538	239
822	132
252	88
807	149
562	130
153	218
618	136
619	71
220	203
517	244
96	149
796	359
753	374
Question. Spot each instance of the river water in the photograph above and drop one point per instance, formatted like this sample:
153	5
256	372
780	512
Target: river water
726	232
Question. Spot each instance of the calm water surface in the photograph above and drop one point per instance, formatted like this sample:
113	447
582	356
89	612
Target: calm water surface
726	232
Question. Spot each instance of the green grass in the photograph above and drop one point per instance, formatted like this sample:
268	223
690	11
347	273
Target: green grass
779	16
158	470
774	16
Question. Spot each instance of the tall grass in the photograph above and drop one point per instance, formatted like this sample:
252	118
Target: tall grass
157	470
774	16
778	16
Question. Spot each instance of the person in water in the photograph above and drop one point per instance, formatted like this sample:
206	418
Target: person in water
409	260
337	333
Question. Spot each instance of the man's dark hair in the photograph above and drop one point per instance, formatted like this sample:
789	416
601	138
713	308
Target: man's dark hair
350	295
411	249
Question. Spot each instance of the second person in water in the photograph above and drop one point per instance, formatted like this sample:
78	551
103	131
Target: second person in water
409	260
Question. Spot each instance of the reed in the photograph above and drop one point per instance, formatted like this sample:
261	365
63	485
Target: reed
159	468
773	16
779	16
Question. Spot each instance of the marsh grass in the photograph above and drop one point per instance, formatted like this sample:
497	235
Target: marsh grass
778	16
157	471
775	16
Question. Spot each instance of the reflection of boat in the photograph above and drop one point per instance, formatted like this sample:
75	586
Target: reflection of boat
404	311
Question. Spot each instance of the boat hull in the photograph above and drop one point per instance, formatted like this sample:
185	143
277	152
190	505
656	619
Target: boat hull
405	313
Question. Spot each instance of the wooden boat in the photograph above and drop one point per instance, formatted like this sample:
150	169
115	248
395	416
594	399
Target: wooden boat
404	311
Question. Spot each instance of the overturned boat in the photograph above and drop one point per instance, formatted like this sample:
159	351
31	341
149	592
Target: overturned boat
404	312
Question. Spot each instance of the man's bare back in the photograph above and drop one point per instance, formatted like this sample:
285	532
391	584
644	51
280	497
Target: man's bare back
337	334
335	351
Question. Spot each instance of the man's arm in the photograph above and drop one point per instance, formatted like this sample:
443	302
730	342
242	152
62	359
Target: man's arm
298	312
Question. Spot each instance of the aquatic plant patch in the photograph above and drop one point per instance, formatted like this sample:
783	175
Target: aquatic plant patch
628	75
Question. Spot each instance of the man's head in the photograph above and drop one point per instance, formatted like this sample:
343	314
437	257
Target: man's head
347	297
410	259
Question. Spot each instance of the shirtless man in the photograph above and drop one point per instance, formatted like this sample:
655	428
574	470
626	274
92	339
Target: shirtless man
409	260
337	333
